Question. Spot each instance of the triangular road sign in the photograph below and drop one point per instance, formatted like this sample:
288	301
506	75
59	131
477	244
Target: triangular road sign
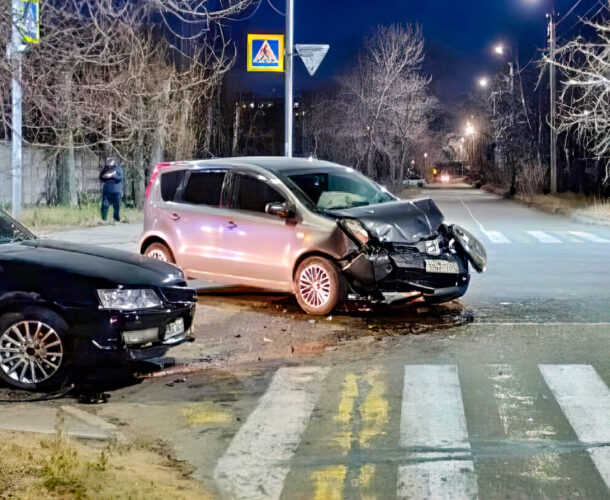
312	55
265	55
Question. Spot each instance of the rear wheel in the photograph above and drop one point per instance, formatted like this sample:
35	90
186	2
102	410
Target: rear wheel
33	349
160	252
319	285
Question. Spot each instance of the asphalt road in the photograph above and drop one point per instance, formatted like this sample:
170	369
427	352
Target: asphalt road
513	404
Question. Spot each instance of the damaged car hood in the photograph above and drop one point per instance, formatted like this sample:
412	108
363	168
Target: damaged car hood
397	221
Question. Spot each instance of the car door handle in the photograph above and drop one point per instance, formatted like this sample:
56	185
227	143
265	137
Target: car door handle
231	225
175	216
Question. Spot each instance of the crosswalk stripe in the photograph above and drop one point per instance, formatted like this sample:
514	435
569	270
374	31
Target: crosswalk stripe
256	462
589	237
585	400
434	433
543	237
496	237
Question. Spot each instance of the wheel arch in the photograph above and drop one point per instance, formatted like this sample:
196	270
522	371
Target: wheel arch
314	253
149	240
17	301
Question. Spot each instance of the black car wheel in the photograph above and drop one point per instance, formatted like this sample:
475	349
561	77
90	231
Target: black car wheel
160	252
33	349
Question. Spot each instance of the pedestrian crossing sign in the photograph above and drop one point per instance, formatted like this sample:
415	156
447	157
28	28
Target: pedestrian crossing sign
266	53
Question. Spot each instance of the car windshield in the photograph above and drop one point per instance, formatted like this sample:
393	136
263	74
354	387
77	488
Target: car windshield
11	230
328	190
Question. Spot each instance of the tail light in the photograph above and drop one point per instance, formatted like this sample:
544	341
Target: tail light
153	177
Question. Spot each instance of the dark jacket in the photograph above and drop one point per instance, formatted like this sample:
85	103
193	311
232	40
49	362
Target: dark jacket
114	183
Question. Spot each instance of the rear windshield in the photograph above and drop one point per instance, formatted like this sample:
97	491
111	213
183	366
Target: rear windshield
204	188
170	182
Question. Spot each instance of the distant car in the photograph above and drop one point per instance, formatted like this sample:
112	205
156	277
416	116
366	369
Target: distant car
413	179
63	304
316	229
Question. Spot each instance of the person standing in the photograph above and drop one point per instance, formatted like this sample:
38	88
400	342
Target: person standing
112	179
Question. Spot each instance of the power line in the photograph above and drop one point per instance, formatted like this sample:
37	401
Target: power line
248	17
276	9
601	5
569	12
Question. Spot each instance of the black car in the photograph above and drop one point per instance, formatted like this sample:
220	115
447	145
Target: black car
64	304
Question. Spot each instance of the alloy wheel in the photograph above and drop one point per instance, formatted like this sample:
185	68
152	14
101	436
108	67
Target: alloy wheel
157	254
315	286
30	352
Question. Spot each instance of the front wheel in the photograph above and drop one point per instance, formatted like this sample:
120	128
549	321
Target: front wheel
33	349
319	286
160	252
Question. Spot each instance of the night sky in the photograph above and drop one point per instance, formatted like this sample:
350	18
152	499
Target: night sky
459	36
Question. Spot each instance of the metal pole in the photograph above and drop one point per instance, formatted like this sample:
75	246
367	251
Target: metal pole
553	117
16	163
288	100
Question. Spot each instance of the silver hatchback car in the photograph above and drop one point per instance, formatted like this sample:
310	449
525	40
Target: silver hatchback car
316	229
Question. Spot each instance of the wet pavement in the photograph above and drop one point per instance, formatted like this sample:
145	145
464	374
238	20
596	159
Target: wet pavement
501	395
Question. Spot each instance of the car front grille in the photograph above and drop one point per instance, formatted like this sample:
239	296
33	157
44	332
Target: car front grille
421	277
180	295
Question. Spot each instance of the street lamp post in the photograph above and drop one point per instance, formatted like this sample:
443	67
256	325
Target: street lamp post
288	97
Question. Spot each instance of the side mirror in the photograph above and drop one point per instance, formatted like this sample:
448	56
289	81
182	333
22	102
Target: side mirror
284	210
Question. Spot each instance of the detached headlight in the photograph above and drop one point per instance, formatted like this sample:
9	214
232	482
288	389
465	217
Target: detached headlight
472	246
127	299
356	230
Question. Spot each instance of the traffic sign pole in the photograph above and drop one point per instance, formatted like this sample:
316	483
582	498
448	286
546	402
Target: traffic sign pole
288	100
17	158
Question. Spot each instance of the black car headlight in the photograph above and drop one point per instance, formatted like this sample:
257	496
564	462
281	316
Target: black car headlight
356	230
472	246
129	298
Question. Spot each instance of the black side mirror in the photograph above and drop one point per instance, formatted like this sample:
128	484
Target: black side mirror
284	210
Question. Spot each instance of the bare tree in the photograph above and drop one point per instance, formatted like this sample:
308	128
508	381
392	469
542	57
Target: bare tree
584	101
380	110
121	78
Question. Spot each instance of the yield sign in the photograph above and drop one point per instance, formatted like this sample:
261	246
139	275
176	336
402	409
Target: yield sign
312	55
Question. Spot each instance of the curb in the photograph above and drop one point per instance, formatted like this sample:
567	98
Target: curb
108	429
588	220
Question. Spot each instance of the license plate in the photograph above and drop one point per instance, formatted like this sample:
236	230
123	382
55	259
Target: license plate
174	328
442	267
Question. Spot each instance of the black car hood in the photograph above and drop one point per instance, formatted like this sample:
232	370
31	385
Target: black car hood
397	221
88	261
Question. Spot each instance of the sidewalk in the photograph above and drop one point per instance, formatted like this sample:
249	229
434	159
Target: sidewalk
119	236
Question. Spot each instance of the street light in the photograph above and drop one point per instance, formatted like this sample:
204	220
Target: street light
499	49
483	82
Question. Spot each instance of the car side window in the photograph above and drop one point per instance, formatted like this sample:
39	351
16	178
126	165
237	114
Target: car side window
170	181
204	188
254	194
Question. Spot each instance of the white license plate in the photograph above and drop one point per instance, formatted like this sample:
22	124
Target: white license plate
174	328
442	267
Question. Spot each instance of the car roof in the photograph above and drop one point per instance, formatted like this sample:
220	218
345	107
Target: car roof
275	164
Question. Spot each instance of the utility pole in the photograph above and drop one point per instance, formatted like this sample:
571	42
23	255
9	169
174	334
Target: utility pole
288	99
553	114
14	53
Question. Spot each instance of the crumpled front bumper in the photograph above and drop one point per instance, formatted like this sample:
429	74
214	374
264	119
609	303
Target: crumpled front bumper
403	270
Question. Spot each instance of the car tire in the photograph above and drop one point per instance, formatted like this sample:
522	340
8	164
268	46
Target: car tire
34	349
319	286
160	252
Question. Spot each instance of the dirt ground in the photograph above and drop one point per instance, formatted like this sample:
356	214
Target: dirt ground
239	326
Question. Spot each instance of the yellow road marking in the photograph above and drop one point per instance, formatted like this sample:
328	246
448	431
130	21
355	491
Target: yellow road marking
329	483
205	414
349	393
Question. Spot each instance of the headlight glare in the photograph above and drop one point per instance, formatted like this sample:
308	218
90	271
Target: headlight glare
356	230
129	298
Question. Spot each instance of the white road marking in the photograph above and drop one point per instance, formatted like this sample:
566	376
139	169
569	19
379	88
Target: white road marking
585	401
496	237
433	431
589	237
544	237
256	463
